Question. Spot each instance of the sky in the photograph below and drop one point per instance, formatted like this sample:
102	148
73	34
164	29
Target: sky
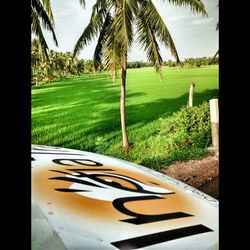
193	35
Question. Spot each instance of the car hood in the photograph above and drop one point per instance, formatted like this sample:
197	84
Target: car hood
83	200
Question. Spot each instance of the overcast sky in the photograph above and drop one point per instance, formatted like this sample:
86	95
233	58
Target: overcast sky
193	35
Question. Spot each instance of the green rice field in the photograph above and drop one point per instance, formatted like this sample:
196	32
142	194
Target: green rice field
84	112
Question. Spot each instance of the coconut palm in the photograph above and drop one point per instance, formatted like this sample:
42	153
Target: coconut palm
113	23
35	54
41	16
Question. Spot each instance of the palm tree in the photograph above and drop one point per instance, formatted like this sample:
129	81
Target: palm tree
41	15
113	21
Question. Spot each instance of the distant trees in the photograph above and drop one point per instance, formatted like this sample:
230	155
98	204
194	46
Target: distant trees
59	65
194	62
139	64
62	65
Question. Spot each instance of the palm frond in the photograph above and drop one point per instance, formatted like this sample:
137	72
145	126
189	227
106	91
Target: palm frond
161	31
146	37
196	6
101	41
217	53
82	2
43	17
101	6
112	52
36	29
92	29
124	21
47	7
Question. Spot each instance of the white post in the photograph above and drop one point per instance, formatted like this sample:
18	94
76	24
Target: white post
214	114
191	94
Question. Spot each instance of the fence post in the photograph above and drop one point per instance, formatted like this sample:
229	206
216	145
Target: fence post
214	114
191	95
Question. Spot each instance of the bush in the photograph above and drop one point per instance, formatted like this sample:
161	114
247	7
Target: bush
185	135
190	126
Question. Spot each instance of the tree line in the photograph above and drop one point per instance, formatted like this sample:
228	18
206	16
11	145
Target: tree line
188	62
61	65
55	65
193	62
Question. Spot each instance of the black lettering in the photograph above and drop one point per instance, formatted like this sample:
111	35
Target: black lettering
84	162
144	218
90	169
69	190
54	153
74	180
160	237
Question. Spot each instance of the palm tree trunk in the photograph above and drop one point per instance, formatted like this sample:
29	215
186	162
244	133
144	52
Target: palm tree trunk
122	109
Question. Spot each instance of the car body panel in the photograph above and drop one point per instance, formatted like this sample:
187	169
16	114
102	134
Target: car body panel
92	201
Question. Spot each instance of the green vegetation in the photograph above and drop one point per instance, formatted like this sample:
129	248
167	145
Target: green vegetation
60	65
194	62
183	135
84	113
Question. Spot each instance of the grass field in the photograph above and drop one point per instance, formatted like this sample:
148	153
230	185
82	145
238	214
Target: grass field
83	112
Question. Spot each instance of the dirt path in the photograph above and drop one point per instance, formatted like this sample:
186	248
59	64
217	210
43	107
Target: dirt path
202	174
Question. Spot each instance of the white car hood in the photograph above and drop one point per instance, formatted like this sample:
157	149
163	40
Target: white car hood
82	200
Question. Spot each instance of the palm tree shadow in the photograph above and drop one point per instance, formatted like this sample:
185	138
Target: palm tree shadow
143	114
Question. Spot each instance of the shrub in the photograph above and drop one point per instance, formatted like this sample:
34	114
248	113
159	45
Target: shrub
189	127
